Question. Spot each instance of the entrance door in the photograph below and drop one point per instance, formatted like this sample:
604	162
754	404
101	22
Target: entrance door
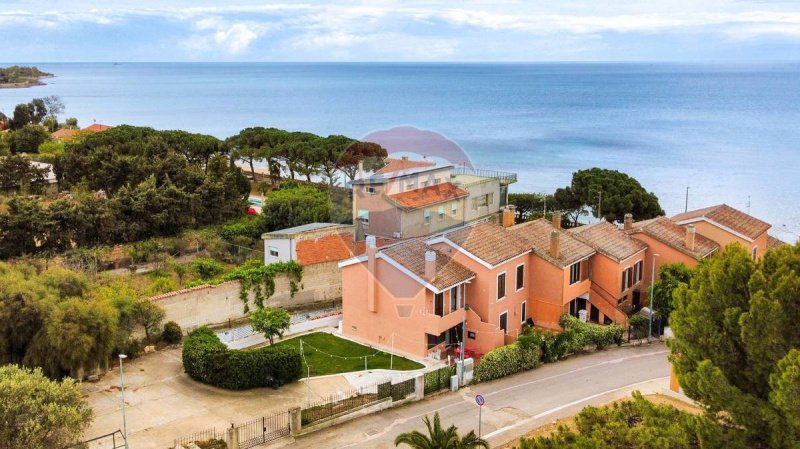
594	314
438	304
504	322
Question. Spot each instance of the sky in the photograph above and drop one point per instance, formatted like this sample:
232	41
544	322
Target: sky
386	30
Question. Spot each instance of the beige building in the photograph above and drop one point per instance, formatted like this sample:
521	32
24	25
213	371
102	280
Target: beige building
408	198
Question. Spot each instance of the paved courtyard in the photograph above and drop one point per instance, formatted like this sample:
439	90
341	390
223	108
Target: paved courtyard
163	403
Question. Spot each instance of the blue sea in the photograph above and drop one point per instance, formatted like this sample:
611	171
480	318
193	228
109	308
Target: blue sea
729	132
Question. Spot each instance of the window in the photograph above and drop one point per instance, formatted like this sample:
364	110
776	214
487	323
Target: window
523	312
363	215
454	207
471	335
574	273
273	251
441	212
454	299
410	186
426	215
372	190
504	322
482	200
435	340
520	276
755	252
626	279
424	184
630	277
438	304
501	286
437	180
638	269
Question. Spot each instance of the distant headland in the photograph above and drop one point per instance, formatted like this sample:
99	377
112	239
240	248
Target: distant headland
18	76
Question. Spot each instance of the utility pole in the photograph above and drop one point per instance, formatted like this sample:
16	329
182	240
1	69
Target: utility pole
600	204
463	337
652	288
122	384
748	204
686	207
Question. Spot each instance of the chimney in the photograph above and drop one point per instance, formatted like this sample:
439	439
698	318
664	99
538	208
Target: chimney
430	265
405	158
690	235
555	244
371	251
557	219
628	223
507	217
360	174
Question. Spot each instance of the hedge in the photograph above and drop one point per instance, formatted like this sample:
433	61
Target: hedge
206	359
505	360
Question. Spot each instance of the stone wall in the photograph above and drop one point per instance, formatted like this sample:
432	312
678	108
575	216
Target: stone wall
218	304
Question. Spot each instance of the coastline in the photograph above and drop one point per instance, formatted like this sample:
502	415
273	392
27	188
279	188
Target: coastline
33	82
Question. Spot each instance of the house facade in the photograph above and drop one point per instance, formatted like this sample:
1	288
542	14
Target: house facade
482	282
408	198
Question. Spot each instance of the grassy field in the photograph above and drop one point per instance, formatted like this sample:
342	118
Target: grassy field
321	349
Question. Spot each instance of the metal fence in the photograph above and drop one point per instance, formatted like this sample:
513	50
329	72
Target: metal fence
114	440
207	439
439	379
403	390
316	411
265	429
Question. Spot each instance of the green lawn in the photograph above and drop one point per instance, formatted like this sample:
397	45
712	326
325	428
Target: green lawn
319	345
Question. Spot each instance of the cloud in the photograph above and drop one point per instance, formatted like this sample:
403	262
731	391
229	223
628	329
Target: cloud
218	34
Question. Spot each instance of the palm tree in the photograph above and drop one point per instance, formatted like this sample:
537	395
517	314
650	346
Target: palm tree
440	438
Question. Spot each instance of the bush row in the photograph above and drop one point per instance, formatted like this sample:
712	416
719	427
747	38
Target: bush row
536	345
506	360
206	359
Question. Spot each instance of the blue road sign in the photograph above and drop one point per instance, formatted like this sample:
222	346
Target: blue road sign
479	400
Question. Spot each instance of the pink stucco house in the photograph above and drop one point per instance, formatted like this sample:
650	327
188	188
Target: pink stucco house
481	283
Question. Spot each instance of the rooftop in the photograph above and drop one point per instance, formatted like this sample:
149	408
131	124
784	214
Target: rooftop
774	242
608	240
666	231
97	127
536	234
722	214
65	133
489	242
290	232
395	165
331	248
426	196
411	255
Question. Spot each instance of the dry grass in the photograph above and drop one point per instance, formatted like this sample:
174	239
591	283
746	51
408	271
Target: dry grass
550	428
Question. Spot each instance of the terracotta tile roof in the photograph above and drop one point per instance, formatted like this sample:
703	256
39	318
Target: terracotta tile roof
729	217
411	255
393	165
331	248
489	242
536	234
608	240
426	196
97	127
666	231
65	133
774	242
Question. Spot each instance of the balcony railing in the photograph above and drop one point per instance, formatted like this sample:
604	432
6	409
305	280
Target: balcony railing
504	177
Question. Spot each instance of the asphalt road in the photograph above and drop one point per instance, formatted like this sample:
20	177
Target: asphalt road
515	405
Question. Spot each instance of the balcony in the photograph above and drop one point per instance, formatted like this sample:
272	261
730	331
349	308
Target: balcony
436	325
505	178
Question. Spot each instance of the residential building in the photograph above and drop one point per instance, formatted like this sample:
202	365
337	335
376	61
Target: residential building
617	268
408	198
725	225
96	128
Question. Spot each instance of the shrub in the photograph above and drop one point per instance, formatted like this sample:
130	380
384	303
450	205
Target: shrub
505	360
586	334
161	284
172	333
206	268
639	324
206	359
250	227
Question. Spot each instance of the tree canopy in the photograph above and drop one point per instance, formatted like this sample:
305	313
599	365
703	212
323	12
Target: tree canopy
609	193
736	343
38	413
440	438
295	206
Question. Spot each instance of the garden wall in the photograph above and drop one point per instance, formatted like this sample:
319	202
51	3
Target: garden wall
208	305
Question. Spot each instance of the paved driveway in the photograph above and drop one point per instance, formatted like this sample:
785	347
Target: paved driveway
163	403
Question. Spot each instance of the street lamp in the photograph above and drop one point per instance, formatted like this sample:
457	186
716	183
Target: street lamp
122	384
652	288
463	337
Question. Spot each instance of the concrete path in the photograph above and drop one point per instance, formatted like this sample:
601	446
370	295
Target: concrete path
514	405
